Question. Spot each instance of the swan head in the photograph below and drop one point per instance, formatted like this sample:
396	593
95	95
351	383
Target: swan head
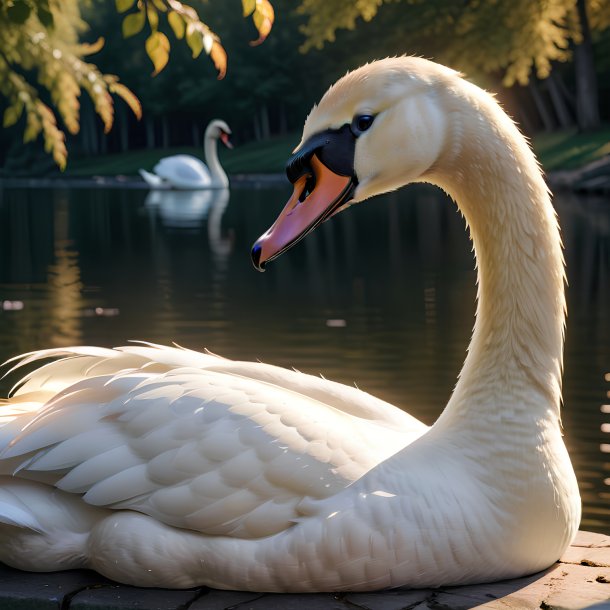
219	130
378	128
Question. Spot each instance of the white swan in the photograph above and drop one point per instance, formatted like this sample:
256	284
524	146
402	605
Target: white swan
189	209
188	172
165	467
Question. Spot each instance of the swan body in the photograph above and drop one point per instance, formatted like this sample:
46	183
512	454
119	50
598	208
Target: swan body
188	172
161	466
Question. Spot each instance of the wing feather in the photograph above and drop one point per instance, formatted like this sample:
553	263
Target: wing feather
197	441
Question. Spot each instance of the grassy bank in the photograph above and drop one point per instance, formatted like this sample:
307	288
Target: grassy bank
253	158
569	149
556	151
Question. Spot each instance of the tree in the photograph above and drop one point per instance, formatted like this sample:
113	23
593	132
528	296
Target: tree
515	39
42	61
39	38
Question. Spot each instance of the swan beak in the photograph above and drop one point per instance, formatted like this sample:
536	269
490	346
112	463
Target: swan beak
224	138
305	210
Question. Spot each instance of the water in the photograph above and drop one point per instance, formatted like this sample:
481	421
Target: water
382	296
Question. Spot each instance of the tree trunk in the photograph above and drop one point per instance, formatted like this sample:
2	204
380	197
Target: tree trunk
123	128
103	139
265	130
85	140
257	128
196	131
541	106
164	131
560	106
587	104
283	119
150	132
91	131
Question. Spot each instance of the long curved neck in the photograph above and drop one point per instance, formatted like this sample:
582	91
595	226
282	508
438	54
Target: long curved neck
210	146
514	361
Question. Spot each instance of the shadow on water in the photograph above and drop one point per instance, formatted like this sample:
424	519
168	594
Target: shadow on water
383	296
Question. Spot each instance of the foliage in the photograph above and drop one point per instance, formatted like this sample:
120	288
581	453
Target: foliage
512	38
42	61
39	39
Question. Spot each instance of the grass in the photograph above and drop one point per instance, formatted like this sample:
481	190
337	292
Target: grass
556	151
570	149
253	158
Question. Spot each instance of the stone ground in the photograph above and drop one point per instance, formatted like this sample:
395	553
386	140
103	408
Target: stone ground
581	579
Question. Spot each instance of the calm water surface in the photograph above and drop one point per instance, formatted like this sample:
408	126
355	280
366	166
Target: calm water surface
382	296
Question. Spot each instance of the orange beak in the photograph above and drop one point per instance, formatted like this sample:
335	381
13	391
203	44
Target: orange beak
304	211
224	138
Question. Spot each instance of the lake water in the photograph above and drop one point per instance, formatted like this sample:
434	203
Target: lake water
382	296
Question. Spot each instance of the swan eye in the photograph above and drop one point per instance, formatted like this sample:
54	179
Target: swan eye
361	123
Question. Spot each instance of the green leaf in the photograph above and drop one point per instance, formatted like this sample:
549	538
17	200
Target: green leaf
177	24
12	114
19	12
124	5
133	24
157	46
194	39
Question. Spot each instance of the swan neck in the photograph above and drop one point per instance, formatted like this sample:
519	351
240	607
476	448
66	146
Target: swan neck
515	355
217	173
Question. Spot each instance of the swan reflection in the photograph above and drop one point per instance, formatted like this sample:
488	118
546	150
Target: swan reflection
190	209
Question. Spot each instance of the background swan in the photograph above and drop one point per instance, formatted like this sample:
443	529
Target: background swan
165	467
190	209
188	172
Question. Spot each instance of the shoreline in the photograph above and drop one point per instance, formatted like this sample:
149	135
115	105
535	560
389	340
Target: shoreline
593	179
130	182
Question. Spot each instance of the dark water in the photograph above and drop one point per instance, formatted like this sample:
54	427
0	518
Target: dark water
382	296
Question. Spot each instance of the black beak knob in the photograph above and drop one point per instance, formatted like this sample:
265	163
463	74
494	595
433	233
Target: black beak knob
256	257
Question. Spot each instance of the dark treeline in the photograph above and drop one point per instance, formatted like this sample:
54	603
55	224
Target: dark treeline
269	89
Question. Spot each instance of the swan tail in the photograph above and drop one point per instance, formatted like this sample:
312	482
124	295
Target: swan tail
43	529
152	179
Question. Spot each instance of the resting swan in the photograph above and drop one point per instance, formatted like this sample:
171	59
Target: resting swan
188	172
161	466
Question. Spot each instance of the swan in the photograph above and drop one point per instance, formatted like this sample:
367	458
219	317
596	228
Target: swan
189	209
188	172
161	466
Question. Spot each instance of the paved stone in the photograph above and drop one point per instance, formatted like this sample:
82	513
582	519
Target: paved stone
40	591
212	599
389	600
293	601
121	597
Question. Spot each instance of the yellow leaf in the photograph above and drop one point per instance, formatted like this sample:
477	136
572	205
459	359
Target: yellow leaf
248	6
33	127
12	114
160	5
263	18
194	39
124	5
89	48
157	46
177	24
153	17
219	57
128	97
133	24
